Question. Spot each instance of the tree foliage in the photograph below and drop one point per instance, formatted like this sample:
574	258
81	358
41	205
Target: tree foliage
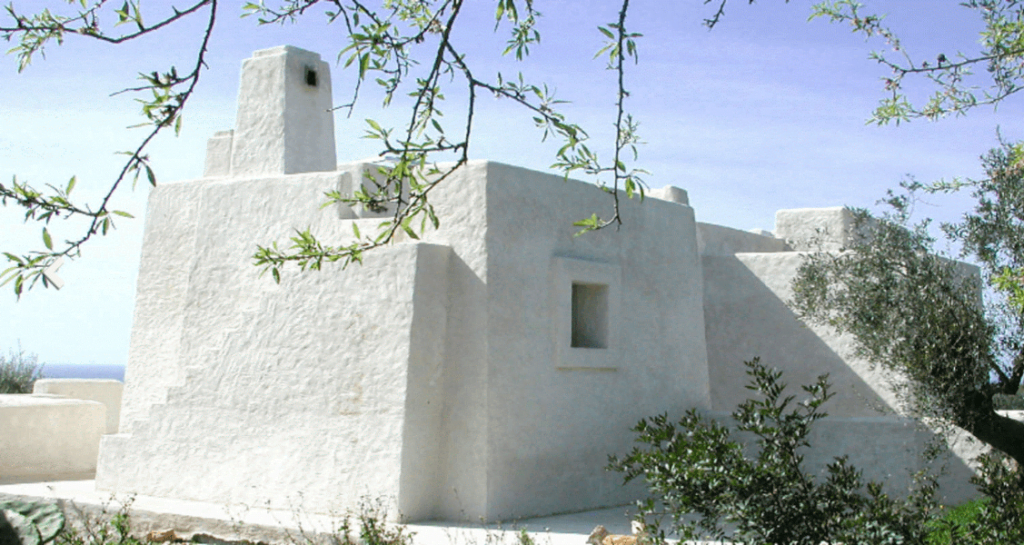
748	483
921	316
957	89
165	96
697	467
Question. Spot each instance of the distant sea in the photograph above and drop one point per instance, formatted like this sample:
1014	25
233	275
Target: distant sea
75	370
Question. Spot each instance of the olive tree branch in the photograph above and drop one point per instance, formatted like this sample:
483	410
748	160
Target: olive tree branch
38	29
402	188
1002	43
163	111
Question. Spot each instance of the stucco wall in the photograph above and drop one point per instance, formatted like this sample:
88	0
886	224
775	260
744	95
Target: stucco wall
445	389
107	392
887	449
554	419
747	316
293	393
461	470
719	240
284	124
46	437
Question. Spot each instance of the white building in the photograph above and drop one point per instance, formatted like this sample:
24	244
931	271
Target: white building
487	370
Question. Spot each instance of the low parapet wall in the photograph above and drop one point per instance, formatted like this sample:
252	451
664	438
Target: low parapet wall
107	392
47	437
718	240
54	433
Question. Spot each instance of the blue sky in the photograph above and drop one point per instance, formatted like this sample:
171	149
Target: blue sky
765	112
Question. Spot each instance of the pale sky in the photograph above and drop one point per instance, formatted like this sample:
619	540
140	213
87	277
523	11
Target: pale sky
765	112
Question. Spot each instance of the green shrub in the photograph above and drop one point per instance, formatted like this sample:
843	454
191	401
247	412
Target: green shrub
949	526
18	372
366	526
999	517
112	526
706	485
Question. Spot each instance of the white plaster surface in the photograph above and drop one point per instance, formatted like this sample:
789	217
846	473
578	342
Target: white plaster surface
811	229
670	193
718	240
747	316
1016	415
428	374
887	449
218	154
107	392
550	430
47	437
284	125
276	393
566	272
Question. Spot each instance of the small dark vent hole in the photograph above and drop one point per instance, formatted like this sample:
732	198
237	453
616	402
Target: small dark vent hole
311	77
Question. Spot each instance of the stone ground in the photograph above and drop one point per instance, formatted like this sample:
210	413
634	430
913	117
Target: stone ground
206	521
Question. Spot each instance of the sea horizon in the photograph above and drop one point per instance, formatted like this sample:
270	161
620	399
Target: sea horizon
84	370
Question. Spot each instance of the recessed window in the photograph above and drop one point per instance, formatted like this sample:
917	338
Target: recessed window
585	302
589	315
310	77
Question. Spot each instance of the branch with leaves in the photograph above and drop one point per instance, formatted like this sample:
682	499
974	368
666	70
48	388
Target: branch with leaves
422	154
383	42
169	91
956	91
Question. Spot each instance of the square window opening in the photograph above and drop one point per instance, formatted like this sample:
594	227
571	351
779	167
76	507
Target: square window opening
589	315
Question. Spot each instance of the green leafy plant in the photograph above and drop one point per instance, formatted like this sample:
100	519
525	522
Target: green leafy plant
706	483
995	518
112	526
29	522
946	528
369	526
18	372
1005	402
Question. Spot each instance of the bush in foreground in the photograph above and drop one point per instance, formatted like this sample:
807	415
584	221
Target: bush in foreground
997	517
18	372
704	483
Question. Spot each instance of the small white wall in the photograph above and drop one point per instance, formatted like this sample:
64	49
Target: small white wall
107	392
718	240
48	437
814	229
